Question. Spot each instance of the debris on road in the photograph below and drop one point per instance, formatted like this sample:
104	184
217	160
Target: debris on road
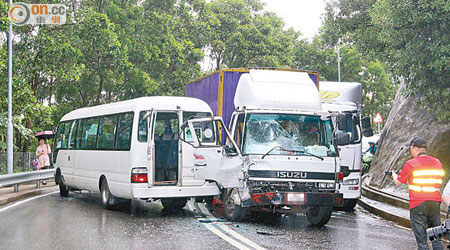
269	233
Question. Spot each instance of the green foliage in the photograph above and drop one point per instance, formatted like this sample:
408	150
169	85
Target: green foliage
117	50
243	37
416	34
409	37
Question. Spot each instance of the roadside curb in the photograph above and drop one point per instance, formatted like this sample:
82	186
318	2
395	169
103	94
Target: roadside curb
27	194
366	204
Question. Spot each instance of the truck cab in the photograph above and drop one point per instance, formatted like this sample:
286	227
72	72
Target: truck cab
282	146
345	98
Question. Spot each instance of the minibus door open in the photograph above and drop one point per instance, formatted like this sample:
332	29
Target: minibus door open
151	147
215	160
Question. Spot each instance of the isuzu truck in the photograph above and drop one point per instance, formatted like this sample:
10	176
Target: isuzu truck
345	98
281	155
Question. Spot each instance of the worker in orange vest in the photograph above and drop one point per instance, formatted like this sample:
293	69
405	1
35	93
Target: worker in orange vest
424	176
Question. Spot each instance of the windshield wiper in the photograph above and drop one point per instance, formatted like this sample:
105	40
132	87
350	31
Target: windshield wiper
295	151
308	153
268	152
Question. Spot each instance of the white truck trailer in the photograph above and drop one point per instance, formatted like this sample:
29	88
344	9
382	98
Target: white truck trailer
346	98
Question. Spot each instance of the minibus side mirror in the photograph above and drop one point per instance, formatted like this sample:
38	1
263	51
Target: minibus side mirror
342	138
342	122
366	123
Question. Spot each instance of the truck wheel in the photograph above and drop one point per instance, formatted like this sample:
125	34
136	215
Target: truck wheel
63	189
349	204
174	203
319	215
232	211
108	200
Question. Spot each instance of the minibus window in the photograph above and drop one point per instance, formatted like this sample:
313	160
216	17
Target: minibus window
124	131
190	115
73	134
142	128
107	132
89	133
59	138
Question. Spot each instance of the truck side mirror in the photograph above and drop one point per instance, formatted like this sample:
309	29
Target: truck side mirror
366	123
342	138
342	122
368	132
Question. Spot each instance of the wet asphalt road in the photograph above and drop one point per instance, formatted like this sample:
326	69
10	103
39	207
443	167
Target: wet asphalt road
79	222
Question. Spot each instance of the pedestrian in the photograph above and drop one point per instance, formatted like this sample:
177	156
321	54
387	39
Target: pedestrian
424	176
42	152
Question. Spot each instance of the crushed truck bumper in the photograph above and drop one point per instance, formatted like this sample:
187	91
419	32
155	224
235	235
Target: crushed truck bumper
297	199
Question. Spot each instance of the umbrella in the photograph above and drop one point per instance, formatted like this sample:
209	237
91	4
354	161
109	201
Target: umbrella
45	134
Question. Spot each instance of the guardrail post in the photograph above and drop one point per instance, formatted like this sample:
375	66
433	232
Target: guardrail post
16	188
38	184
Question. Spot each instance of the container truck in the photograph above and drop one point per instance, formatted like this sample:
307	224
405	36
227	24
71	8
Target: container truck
345	98
281	153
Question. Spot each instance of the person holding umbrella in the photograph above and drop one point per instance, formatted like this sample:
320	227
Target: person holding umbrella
43	151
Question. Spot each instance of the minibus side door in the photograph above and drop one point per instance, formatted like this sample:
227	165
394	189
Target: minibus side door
151	146
222	163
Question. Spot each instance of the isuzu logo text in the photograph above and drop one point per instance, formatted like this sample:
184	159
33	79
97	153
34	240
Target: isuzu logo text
292	174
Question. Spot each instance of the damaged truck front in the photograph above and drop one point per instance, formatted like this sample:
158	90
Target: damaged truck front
281	155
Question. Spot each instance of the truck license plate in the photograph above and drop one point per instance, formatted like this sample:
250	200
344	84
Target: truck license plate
295	198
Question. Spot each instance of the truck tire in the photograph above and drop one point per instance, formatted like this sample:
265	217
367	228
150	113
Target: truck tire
174	203
319	215
108	200
63	189
232	211
349	204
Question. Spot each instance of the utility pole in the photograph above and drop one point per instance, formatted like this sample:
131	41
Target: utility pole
339	61
9	133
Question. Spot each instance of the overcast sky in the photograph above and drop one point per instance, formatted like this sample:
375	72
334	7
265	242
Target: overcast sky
302	15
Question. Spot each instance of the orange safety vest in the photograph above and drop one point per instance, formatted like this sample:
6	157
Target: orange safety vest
426	179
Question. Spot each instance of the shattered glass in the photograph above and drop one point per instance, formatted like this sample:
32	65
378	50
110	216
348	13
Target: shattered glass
294	134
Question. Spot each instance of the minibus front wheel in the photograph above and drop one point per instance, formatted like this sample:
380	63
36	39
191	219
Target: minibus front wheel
108	200
233	211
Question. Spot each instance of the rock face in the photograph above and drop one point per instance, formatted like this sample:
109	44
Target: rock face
405	121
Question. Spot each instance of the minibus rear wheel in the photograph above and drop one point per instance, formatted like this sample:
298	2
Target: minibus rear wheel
174	203
63	189
108	200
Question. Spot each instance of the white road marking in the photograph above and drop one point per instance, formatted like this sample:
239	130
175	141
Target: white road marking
216	231
27	200
228	230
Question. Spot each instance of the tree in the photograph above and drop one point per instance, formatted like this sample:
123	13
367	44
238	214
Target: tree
244	37
417	48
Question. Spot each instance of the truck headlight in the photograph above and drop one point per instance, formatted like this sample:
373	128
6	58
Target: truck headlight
325	185
322	185
351	182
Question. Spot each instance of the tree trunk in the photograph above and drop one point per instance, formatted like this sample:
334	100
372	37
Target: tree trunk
100	88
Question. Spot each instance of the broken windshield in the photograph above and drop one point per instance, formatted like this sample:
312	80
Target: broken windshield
293	132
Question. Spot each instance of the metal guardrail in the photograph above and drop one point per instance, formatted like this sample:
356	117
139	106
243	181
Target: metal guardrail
18	178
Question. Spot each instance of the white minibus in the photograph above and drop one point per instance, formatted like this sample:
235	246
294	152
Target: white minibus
107	148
